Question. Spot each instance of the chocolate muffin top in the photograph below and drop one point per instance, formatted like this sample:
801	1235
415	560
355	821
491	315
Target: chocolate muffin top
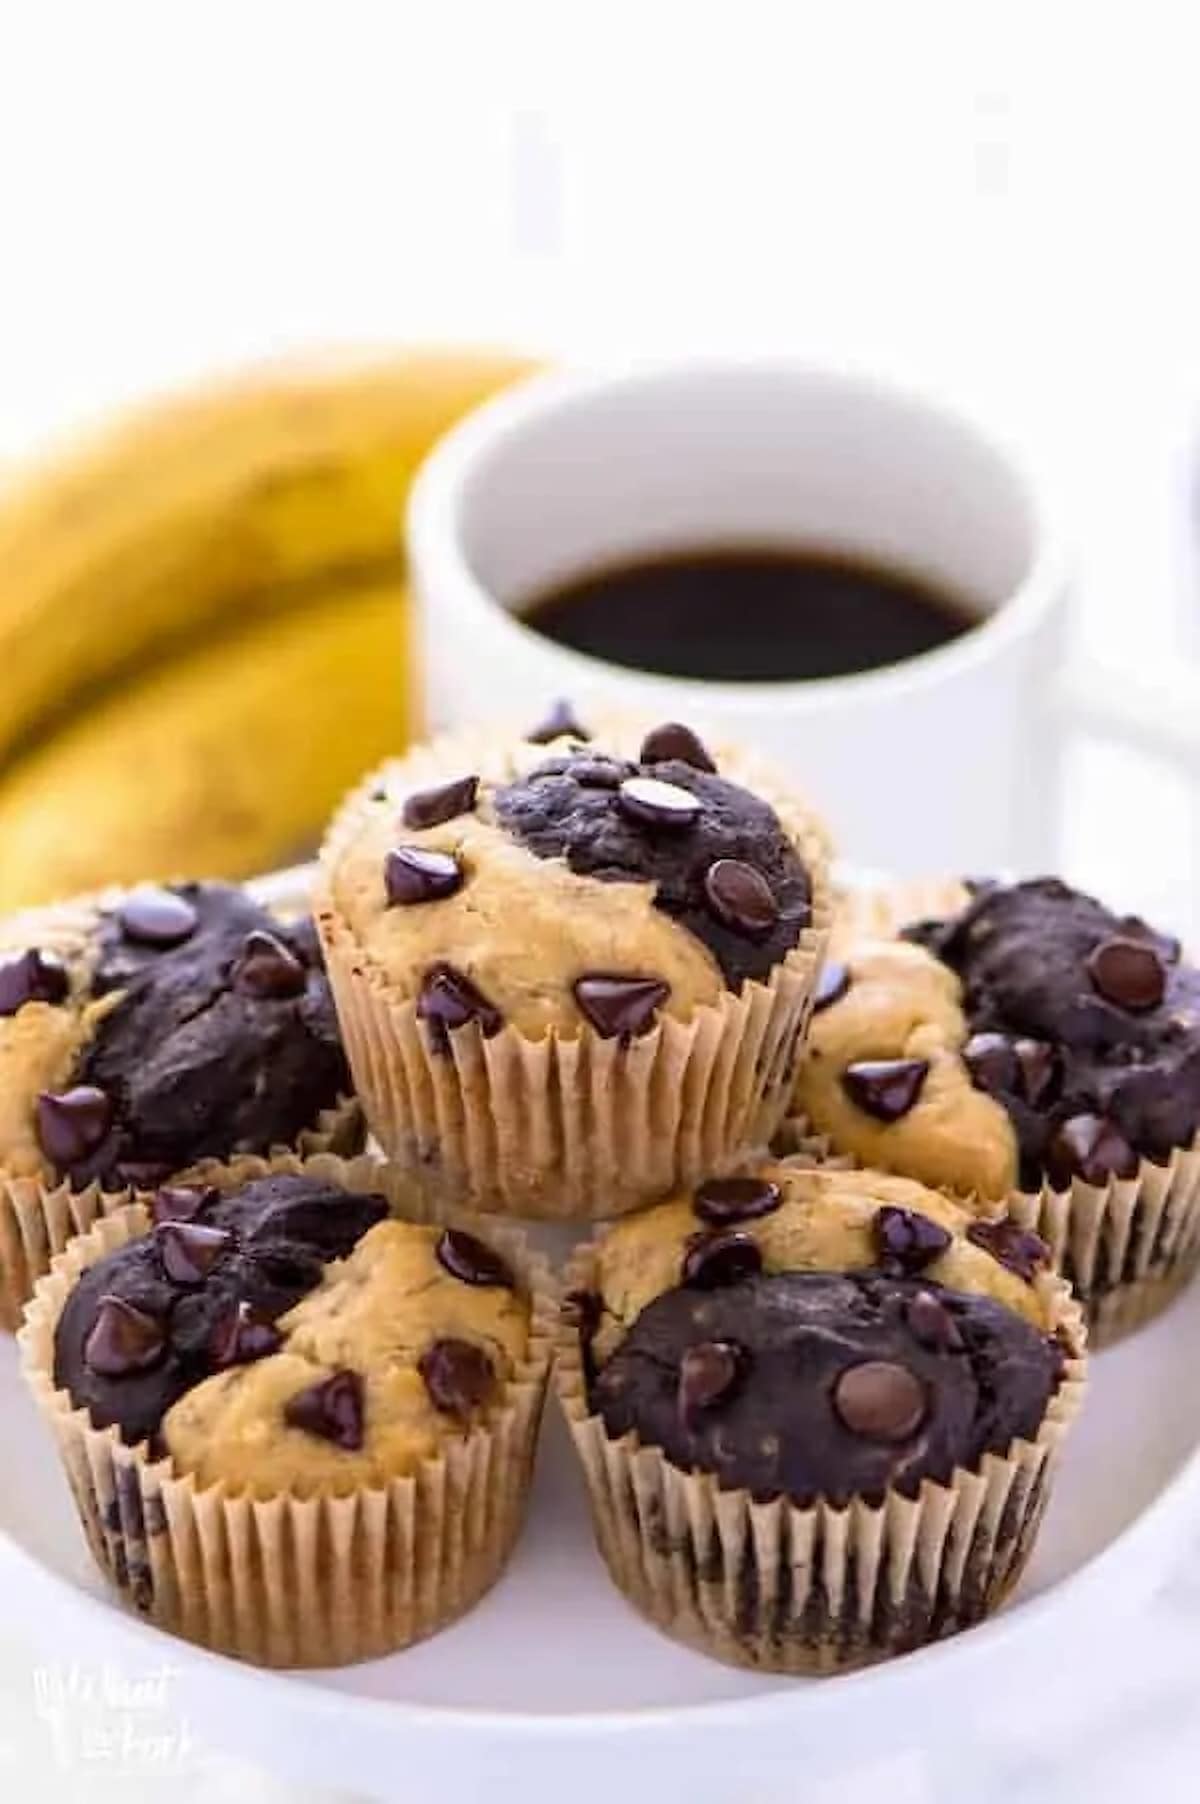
573	879
288	1337
817	1384
179	1024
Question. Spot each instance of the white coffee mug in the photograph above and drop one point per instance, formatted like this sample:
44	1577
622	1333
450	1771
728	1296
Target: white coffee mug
945	761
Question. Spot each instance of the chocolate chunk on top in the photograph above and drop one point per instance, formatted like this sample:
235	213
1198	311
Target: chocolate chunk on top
1101	1018
617	837
841	1386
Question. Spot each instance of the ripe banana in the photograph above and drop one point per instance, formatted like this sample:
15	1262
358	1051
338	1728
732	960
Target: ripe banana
226	761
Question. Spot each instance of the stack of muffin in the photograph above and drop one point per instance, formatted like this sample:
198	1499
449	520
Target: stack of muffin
819	1371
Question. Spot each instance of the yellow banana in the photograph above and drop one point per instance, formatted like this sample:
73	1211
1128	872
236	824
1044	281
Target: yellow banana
226	761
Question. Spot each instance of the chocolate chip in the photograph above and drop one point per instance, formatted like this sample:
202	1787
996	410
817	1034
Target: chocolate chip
1038	1065
472	1261
619	1007
600	772
722	1201
32	976
880	1401
458	1375
711	1261
907	1241
740	897
157	917
1128	973
832	985
189	1250
417	874
430	807
241	1336
560	723
182	1202
674	740
332	1409
885	1088
707	1372
991	1060
448	1000
1020	1250
652	803
1090	1147
269	970
72	1123
123	1339
931	1324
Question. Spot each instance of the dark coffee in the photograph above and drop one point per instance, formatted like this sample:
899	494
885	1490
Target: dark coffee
749	614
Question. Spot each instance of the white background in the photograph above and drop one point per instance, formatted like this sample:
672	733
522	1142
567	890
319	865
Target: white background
1000	197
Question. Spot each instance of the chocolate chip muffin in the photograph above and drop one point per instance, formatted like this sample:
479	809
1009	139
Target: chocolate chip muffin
274	1394
152	1033
574	969
828	1383
1026	1038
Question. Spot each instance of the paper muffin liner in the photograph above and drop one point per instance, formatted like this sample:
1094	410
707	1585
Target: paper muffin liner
814	1589
293	1580
575	1127
1127	1247
38	1217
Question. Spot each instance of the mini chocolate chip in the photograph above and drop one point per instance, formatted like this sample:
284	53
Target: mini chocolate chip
619	1007
472	1261
182	1202
417	874
560	723
332	1409
269	970
908	1241
123	1339
885	1088
72	1123
1020	1250
1128	973
1038	1065
991	1060
932	1325
832	985
430	807
741	898
711	1261
448	1000
880	1401
707	1372
1090	1147
189	1250
157	917
458	1375
599	772
241	1336
652	803
722	1201
674	740
32	976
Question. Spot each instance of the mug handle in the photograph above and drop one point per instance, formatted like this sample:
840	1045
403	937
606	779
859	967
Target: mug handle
1154	710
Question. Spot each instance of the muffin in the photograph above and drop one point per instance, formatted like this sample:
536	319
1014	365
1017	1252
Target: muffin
1026	1043
818	1411
149	1034
572	971
298	1427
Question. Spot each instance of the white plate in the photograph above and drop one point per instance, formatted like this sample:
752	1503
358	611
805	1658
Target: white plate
554	1682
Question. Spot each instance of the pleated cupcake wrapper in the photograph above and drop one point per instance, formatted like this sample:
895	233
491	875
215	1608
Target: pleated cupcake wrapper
291	1580
817	1589
37	1219
1128	1247
580	1127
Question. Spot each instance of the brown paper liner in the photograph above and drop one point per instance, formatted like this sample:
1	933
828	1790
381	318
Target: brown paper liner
292	1580
817	1589
576	1128
1127	1247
